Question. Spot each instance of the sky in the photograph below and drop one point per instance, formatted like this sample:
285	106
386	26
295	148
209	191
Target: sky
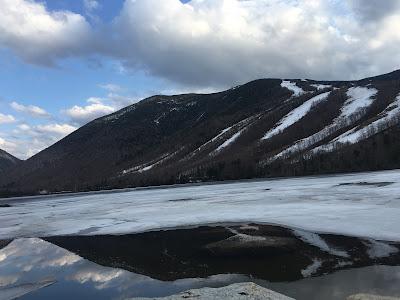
64	63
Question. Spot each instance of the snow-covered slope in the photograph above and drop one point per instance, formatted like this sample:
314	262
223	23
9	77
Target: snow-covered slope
358	100
389	117
292	86
295	115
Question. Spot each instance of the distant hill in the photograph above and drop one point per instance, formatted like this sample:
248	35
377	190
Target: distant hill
267	127
7	161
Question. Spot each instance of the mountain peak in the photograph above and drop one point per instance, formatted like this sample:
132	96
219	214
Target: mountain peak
7	161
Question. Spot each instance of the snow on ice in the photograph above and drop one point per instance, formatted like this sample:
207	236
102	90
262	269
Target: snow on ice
317	204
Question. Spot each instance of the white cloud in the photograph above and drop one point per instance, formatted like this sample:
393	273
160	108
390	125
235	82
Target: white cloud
7	145
32	110
119	101
94	109
39	36
374	10
91	5
110	87
59	129
5	119
208	43
223	42
28	140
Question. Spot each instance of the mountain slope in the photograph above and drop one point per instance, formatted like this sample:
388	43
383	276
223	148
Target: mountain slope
7	161
267	127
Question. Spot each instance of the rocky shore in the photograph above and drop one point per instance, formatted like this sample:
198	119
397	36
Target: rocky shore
247	291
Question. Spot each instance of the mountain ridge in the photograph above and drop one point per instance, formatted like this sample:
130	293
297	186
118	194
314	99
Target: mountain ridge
218	136
7	161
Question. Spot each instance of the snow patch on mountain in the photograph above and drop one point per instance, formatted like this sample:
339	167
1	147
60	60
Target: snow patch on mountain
297	91
295	115
230	140
321	86
240	128
389	117
359	99
148	166
119	114
206	144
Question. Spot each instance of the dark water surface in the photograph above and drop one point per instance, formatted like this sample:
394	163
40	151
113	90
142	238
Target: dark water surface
126	266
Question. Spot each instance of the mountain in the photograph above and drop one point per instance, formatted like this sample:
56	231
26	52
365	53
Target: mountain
7	161
267	127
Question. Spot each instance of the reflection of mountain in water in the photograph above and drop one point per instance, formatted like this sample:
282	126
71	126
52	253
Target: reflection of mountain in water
267	252
34	260
31	263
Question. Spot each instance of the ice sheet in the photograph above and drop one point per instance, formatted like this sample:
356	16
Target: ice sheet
317	204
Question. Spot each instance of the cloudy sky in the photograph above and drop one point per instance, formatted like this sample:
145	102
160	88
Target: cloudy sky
64	63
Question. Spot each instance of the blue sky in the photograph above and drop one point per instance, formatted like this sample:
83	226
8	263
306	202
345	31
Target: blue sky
64	63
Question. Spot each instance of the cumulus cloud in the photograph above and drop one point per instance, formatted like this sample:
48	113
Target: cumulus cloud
208	43
60	130
224	42
32	110
95	108
4	119
27	140
111	87
39	36
7	145
91	5
374	10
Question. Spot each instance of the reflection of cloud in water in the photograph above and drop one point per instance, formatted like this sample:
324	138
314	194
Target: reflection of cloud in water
34	260
7	280
101	279
66	259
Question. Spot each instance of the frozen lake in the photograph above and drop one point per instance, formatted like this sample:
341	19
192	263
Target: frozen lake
359	204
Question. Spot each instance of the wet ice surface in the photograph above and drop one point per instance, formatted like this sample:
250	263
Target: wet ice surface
25	262
353	204
29	262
